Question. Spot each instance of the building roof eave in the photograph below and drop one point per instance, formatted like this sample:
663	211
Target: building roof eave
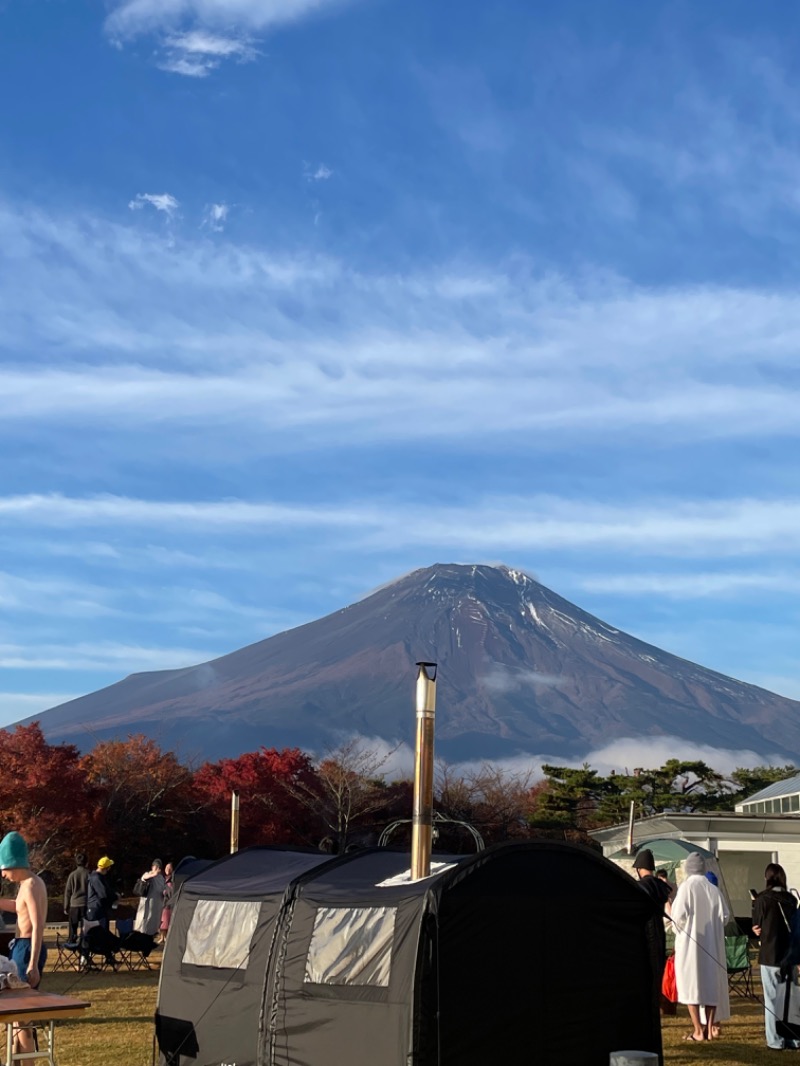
722	824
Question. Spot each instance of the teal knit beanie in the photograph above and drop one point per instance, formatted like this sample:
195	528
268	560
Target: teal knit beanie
13	853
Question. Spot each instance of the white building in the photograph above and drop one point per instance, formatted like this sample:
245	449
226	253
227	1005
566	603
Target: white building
783	797
744	842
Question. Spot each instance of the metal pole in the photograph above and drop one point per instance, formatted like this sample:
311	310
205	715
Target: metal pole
422	821
234	821
630	827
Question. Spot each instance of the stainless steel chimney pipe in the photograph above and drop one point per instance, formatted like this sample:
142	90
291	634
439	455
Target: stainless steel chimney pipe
422	821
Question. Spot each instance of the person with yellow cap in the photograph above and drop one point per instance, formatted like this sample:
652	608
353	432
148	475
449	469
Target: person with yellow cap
30	906
100	895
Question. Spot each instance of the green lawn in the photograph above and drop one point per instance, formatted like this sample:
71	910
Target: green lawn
742	1039
118	1028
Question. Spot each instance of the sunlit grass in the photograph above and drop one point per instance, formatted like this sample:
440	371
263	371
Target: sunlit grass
742	1039
117	1030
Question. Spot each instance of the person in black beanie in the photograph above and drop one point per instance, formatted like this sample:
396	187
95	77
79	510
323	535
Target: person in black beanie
659	892
645	867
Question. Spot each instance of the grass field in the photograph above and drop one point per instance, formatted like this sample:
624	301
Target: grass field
118	1028
742	1039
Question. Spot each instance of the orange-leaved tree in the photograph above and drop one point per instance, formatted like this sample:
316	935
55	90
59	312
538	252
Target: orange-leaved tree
144	798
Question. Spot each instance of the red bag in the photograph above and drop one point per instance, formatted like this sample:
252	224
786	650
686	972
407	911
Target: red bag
669	987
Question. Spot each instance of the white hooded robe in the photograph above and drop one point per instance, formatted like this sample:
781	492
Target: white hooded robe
699	913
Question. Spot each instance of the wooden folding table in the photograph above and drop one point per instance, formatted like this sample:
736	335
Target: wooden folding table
42	1009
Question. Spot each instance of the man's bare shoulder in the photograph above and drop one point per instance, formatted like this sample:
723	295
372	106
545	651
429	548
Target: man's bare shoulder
34	891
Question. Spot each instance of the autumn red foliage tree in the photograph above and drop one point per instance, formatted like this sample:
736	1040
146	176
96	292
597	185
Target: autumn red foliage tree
267	781
45	796
144	800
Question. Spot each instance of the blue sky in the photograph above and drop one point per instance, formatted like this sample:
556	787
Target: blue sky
299	295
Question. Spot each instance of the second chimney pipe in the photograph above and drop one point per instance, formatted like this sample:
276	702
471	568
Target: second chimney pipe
234	822
422	821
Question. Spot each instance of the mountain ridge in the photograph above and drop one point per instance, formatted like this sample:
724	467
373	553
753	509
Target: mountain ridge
522	671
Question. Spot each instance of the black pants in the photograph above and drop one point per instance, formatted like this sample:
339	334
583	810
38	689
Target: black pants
76	916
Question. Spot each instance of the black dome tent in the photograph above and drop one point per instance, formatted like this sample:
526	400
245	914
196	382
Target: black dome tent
527	953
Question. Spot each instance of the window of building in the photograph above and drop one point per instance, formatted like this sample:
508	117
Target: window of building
351	946
220	933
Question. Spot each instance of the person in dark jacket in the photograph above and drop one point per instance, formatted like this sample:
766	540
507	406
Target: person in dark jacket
75	897
100	894
644	865
772	918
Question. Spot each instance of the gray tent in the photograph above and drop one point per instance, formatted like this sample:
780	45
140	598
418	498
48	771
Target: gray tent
525	953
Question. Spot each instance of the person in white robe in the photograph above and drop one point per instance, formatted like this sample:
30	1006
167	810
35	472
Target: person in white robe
148	913
699	913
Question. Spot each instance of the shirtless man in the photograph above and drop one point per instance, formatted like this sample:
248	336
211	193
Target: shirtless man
30	907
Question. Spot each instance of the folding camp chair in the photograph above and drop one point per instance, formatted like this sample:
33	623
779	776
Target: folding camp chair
68	953
135	948
737	958
98	947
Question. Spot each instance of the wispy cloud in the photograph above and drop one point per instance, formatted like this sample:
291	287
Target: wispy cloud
206	333
100	655
707	152
197	53
132	17
501	679
487	524
188	67
53	597
380	405
162	201
197	42
195	36
321	172
215	217
699	585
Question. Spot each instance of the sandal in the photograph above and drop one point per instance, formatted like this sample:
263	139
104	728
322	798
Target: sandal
696	1039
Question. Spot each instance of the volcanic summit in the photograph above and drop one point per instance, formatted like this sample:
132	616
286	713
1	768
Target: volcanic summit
521	670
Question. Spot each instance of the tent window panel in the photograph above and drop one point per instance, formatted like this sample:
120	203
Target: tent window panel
220	932
351	946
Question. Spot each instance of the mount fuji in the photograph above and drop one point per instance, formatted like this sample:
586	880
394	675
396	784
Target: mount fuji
521	670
